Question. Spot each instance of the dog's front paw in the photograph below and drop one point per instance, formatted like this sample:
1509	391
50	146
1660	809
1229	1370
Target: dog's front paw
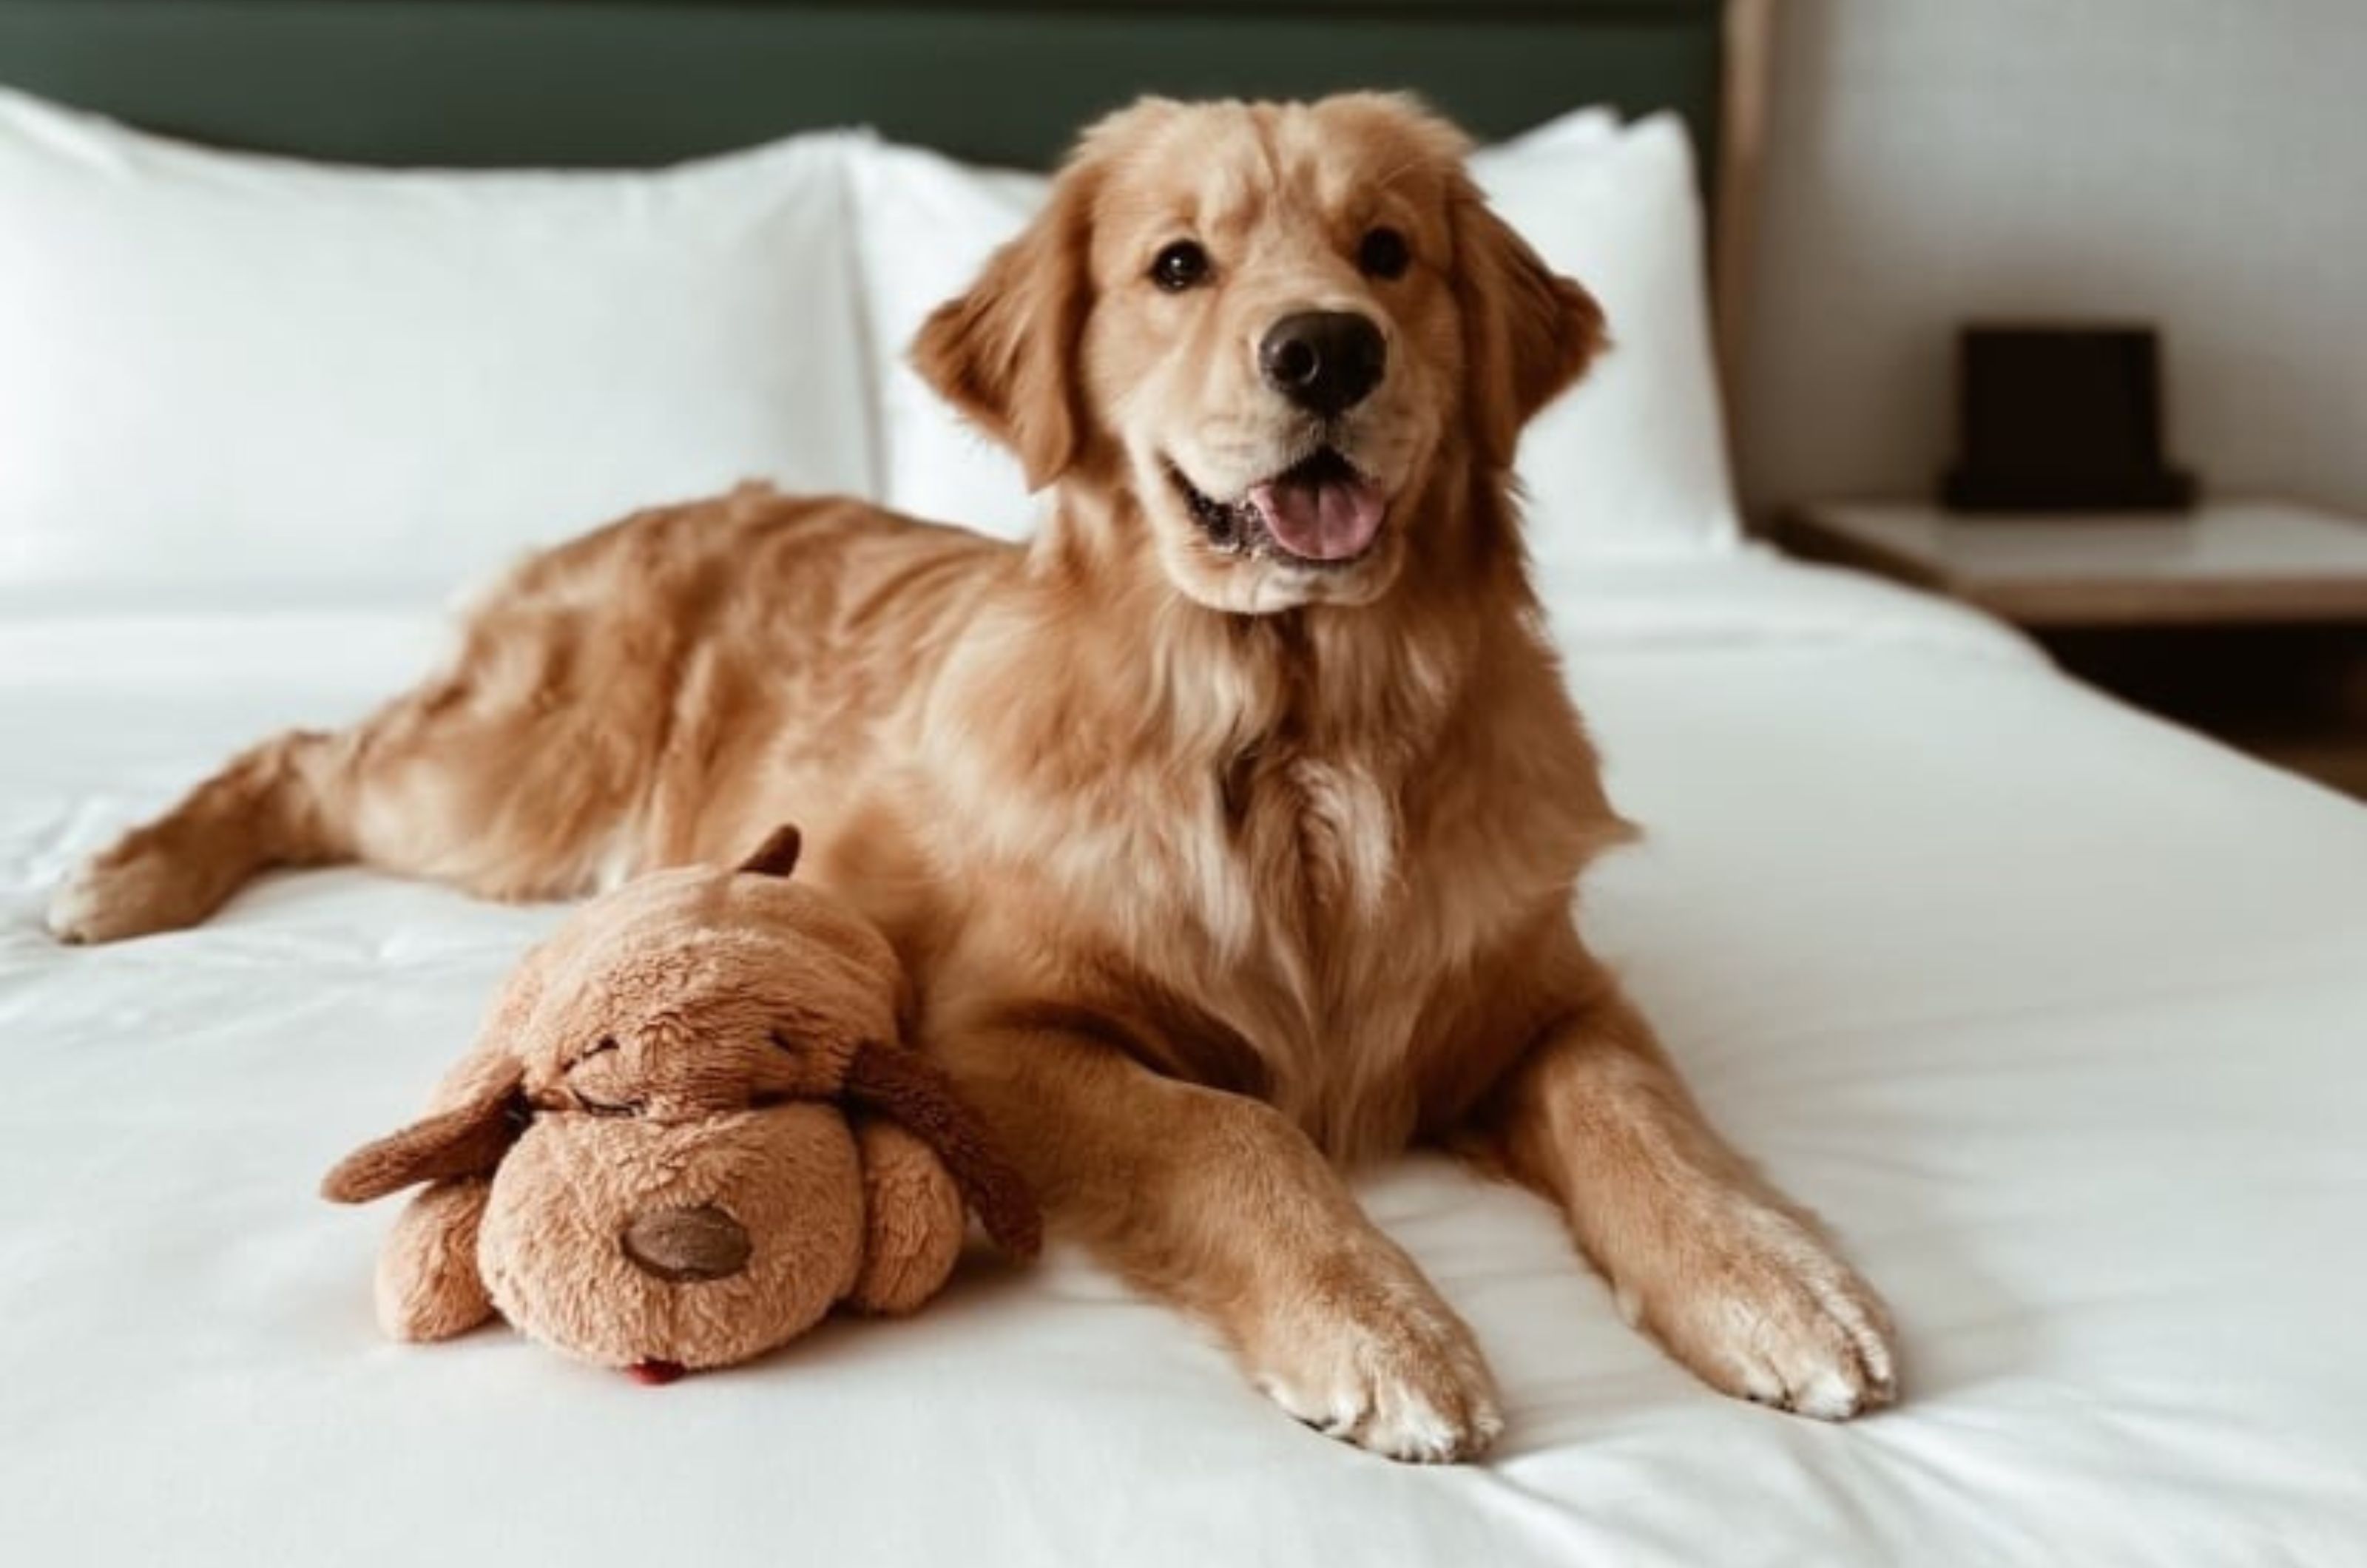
1763	1309
1383	1364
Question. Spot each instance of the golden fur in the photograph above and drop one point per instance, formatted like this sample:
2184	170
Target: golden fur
1213	862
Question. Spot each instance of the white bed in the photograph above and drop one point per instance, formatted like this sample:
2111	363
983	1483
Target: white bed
2057	1014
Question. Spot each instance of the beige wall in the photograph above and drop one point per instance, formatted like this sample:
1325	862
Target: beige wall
2201	163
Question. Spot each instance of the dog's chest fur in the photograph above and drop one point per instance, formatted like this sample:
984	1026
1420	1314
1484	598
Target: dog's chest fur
1277	870
1315	840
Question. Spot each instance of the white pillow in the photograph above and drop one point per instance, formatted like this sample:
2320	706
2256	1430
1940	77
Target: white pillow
232	372
1631	464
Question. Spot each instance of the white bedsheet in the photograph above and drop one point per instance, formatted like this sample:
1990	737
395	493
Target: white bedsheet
2057	1014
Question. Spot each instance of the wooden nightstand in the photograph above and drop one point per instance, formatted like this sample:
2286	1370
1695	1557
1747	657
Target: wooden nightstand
2245	618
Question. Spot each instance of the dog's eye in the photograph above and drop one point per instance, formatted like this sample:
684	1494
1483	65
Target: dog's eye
1180	265
1383	253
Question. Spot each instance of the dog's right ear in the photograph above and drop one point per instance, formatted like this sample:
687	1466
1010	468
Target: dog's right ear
1005	353
1528	332
469	1140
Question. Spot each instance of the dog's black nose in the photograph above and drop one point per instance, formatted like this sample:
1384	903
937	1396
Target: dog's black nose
1325	361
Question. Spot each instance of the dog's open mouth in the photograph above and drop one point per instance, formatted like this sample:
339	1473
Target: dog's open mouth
1318	511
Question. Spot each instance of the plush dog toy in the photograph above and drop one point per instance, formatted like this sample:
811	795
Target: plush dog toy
687	1131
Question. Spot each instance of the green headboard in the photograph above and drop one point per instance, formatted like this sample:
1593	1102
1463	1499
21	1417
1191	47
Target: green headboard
625	82
618	83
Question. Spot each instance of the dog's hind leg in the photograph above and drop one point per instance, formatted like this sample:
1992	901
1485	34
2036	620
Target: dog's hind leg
466	780
260	810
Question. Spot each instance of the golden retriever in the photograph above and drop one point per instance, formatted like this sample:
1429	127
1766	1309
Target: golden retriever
1229	825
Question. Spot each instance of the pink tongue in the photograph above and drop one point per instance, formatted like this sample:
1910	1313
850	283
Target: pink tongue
1327	519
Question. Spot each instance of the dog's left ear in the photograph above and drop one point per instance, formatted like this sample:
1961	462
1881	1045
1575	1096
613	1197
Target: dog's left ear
1003	354
1528	332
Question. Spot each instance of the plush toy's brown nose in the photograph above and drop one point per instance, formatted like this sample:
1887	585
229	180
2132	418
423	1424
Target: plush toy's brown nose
681	1245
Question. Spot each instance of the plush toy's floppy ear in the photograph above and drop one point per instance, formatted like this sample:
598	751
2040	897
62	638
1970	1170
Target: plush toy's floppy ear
777	856
915	1093
469	1140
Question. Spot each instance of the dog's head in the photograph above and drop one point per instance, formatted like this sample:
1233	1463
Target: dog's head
1287	330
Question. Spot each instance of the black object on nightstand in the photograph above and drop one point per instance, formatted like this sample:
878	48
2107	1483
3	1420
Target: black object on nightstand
2061	418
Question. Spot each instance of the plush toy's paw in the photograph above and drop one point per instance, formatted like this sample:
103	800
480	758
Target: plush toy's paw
428	1284
913	1220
